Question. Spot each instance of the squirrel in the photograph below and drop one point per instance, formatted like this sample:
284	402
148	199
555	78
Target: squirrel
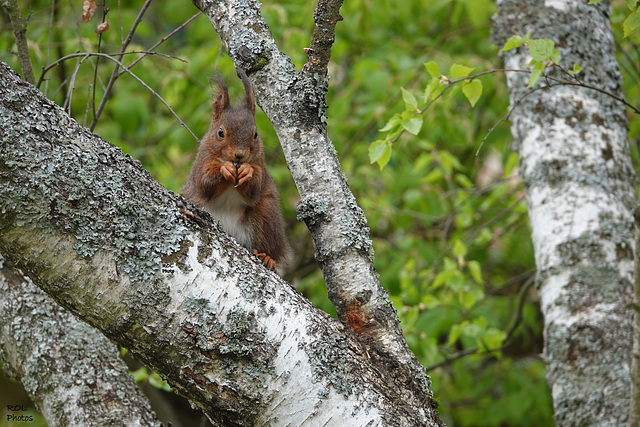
229	179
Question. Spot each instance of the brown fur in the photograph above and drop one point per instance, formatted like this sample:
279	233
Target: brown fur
231	156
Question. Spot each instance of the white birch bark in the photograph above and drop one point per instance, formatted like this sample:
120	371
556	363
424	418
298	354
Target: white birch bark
295	104
92	229
71	372
576	168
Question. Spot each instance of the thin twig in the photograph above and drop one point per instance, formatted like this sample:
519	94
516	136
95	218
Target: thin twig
85	54
86	110
597	89
515	322
114	73
506	116
20	31
105	10
51	18
165	38
559	82
120	20
153	92
72	86
495	219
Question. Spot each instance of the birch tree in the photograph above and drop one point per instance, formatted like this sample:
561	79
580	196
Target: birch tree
576	168
93	230
72	371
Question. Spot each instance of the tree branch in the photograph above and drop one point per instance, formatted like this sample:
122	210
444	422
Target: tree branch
114	73
162	40
326	16
19	30
124	70
98	234
70	370
295	104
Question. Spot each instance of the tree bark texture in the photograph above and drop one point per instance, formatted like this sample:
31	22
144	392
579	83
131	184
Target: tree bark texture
69	369
576	169
92	229
295	104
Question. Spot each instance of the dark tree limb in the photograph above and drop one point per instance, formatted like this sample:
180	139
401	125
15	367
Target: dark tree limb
326	16
20	30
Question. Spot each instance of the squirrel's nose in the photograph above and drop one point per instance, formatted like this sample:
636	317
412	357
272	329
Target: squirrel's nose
238	156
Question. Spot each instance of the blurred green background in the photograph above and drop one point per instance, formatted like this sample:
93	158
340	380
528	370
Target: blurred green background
450	228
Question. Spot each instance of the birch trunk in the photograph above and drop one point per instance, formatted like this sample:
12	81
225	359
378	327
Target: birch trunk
576	168
71	371
295	104
92	229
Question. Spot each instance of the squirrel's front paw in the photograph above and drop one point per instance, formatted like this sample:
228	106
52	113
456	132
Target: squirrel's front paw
245	173
228	170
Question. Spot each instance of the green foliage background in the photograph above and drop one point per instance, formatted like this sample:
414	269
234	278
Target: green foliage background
450	228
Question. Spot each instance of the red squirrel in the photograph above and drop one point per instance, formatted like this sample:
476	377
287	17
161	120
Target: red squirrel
229	179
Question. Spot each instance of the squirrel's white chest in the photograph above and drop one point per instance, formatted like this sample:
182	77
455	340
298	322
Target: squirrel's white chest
229	208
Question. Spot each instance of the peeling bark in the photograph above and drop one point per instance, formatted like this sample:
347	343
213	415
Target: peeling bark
576	168
92	229
72	372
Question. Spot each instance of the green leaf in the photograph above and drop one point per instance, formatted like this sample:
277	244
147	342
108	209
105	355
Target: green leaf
455	332
631	23
475	329
382	161
158	382
463	180
449	162
536	73
140	374
433	69
430	301
380	152
409	99
514	42
377	149
576	69
472	91
433	86
433	176
413	125
493	338
446	276
631	4
457	71
459	249
475	270
542	50
469	298
393	122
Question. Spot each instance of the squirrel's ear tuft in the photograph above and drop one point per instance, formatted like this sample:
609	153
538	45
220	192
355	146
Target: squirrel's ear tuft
221	102
249	100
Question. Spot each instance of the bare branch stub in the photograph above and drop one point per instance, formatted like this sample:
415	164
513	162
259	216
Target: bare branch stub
326	16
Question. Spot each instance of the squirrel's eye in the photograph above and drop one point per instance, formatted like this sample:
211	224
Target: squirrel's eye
220	133
255	135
